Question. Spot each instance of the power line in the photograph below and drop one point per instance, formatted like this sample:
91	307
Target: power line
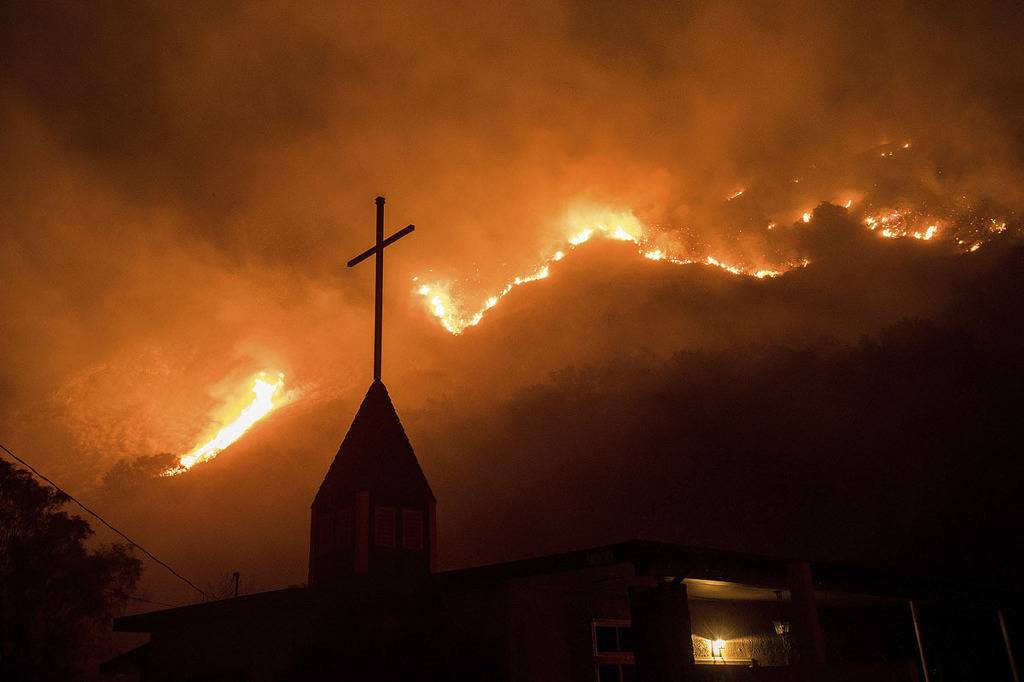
103	521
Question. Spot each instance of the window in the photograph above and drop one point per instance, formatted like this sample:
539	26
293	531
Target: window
343	528
335	531
613	651
606	638
412	529
325	529
384	526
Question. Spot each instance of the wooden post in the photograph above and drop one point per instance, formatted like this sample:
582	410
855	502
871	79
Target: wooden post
1009	646
920	641
660	618
807	636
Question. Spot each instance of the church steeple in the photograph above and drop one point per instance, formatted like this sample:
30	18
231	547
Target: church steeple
374	512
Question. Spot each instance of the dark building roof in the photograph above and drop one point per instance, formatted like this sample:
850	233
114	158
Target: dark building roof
375	455
648	558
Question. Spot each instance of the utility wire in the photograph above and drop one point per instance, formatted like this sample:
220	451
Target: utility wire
99	518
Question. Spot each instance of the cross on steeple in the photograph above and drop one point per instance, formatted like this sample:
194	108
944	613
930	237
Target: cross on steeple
378	249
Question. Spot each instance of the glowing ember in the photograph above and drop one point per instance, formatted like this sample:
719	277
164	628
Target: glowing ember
806	217
260	406
736	194
893	223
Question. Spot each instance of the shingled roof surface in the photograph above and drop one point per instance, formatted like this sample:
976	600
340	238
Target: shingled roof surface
375	455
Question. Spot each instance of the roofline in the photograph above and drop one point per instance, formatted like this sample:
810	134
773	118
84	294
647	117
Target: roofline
661	559
649	558
144	622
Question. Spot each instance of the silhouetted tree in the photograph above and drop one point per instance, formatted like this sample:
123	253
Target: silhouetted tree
56	596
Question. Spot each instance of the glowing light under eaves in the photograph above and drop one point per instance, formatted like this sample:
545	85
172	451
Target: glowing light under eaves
261	405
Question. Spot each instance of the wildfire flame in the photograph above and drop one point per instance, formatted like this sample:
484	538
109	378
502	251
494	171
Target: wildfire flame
897	223
582	225
260	406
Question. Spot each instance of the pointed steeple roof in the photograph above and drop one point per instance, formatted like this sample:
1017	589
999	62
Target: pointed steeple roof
375	455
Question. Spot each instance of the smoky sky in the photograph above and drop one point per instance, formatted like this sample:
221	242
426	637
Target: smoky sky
182	186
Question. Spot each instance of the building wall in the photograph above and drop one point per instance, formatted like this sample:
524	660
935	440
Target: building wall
537	629
868	634
550	624
226	650
746	627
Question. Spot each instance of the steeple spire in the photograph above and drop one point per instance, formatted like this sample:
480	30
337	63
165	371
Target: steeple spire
374	513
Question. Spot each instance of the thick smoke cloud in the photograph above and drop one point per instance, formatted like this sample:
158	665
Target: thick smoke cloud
184	184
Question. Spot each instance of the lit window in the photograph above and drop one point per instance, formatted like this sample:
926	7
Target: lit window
384	526
613	651
412	529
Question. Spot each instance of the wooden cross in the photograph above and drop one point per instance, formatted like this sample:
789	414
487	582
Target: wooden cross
378	249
